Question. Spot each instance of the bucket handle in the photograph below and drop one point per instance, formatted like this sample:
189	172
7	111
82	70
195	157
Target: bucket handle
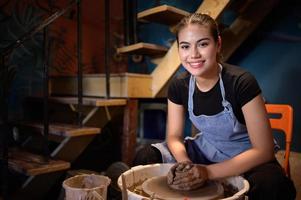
94	194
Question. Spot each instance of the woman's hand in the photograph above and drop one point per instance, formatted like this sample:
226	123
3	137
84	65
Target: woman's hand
176	169
187	176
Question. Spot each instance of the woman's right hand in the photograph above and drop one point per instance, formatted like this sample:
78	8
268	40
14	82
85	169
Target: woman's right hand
187	176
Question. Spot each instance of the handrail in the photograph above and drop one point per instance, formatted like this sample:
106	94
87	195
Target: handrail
79	65
107	47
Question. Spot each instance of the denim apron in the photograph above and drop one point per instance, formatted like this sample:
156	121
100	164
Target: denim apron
221	135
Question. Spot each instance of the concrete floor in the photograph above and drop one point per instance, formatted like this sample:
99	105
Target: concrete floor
295	165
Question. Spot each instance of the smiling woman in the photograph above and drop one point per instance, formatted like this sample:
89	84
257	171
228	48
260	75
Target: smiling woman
224	103
199	49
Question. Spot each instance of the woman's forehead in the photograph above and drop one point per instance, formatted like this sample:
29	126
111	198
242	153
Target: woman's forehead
194	30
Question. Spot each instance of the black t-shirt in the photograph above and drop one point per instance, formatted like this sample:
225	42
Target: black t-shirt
240	87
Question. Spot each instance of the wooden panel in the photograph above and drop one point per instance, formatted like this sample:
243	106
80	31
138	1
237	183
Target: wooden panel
87	101
137	85
244	25
93	85
171	62
143	49
130	121
33	164
163	14
65	130
122	85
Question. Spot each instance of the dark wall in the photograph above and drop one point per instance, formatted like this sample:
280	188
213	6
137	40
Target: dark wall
272	54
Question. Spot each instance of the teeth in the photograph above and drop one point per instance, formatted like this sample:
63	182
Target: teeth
195	64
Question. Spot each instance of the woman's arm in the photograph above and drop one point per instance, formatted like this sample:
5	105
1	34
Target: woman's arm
261	138
175	127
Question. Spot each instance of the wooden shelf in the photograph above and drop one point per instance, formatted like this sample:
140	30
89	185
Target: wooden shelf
65	130
164	14
143	49
87	101
32	164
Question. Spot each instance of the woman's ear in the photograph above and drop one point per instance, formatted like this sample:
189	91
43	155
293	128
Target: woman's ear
219	43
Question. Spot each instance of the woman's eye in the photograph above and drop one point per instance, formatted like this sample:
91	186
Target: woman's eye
203	44
184	47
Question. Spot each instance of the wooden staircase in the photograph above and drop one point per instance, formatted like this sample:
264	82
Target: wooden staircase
249	16
140	86
71	141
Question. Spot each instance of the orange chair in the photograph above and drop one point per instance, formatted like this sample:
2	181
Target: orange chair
285	124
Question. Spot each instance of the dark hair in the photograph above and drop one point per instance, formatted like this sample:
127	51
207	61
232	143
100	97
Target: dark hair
202	20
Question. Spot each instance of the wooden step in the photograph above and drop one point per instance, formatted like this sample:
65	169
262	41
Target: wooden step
87	101
123	85
64	130
143	49
244	25
163	14
32	164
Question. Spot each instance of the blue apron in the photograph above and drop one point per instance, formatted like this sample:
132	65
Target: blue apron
221	135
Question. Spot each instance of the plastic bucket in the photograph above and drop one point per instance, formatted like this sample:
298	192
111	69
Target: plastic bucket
86	187
137	175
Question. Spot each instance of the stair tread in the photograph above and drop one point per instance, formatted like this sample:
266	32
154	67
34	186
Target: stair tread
87	101
244	25
66	130
33	164
143	49
163	14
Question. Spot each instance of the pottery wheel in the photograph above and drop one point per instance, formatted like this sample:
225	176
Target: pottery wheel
158	185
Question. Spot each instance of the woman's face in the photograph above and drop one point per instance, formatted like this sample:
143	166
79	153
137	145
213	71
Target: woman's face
198	50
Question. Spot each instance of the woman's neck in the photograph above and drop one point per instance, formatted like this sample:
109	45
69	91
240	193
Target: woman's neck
205	83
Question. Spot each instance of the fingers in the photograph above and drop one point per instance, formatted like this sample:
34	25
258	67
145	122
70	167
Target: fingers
170	177
188	176
176	169
183	167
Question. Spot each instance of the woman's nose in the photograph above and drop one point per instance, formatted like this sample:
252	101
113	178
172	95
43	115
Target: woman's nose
195	53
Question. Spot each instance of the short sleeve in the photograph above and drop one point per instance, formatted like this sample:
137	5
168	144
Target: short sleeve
247	88
178	89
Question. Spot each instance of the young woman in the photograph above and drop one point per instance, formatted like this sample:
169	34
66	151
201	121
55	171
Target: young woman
225	104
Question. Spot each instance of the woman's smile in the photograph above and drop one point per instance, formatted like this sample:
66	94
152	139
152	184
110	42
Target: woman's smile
196	64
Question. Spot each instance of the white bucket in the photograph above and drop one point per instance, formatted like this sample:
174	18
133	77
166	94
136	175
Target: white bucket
137	175
86	187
